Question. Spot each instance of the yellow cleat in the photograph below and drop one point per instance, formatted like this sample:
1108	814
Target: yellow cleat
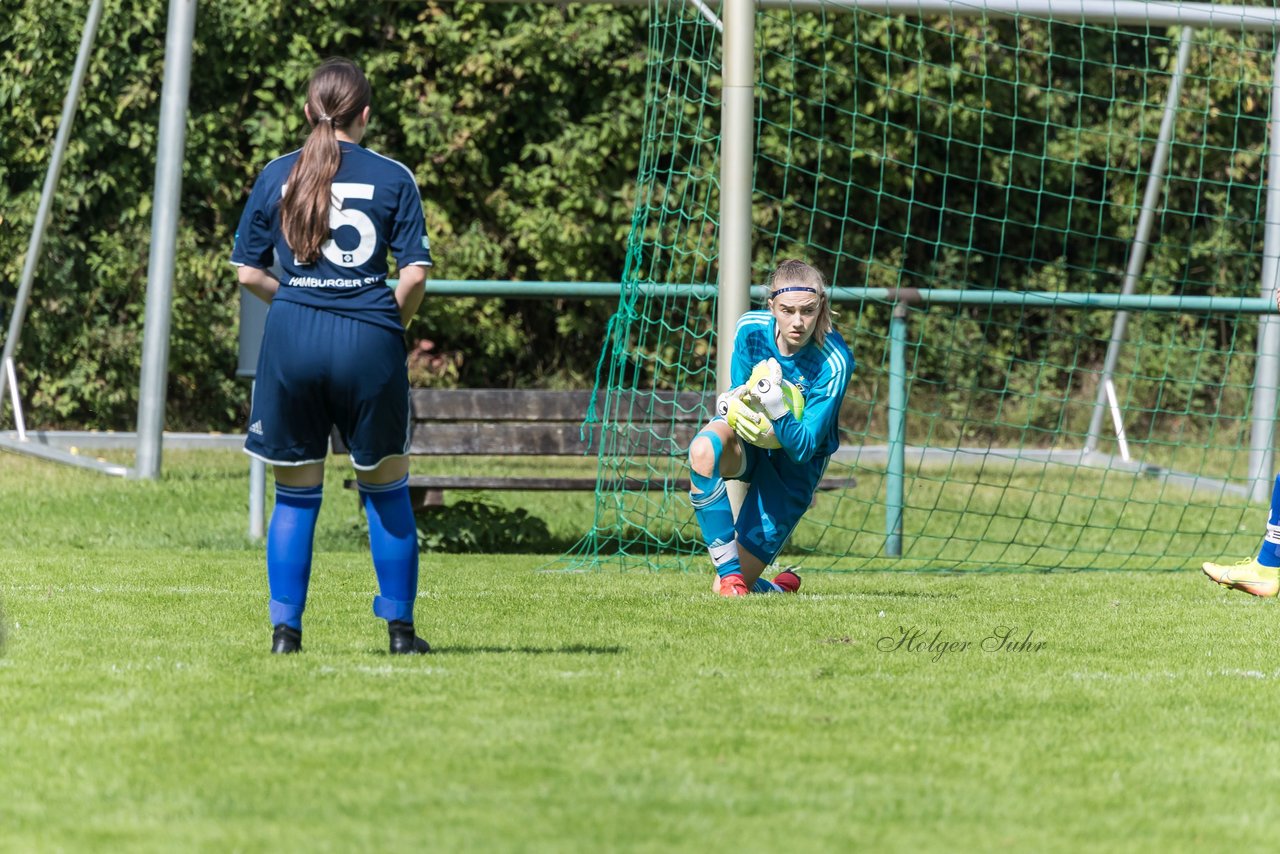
1248	576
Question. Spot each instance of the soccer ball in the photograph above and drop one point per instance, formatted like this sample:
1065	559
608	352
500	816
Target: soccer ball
790	394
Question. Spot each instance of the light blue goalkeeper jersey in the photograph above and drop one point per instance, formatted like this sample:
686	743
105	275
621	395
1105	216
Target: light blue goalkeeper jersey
821	374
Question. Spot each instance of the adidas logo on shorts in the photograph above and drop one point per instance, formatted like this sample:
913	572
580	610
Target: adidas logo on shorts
256	427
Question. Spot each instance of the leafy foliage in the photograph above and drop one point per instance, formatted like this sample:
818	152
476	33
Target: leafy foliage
518	122
967	153
892	152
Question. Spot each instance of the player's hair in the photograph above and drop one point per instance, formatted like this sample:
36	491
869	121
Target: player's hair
336	97
792	273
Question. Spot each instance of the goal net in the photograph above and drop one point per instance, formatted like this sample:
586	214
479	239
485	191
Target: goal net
984	161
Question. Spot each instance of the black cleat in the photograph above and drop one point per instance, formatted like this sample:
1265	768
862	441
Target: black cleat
286	639
403	639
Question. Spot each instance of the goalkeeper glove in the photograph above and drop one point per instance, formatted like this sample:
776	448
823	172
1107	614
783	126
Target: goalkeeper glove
768	391
747	424
722	402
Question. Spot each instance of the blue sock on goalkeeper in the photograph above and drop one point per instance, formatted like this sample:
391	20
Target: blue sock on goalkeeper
710	499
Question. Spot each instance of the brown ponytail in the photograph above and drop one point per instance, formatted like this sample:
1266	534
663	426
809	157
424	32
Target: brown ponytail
336	97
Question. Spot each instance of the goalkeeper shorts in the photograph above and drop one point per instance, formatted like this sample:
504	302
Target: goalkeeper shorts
780	492
318	370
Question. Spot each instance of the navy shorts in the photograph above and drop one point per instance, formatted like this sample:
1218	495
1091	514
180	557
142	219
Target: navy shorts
318	370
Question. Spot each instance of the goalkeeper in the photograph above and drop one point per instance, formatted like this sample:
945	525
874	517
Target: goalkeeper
791	341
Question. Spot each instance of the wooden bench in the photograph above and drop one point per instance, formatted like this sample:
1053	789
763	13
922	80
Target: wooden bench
520	423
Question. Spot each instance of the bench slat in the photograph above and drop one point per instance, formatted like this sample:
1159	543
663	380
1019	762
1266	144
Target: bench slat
582	484
433	481
499	404
504	438
512	438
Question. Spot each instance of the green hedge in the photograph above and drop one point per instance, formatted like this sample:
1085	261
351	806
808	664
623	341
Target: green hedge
523	125
518	121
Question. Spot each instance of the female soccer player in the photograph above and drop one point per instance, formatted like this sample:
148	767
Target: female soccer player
333	348
795	339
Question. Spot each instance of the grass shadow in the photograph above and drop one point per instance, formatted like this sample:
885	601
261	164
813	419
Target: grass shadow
479	527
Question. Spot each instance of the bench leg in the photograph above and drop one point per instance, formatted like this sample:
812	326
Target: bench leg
425	498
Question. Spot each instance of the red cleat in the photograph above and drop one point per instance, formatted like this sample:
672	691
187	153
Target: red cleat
787	581
733	585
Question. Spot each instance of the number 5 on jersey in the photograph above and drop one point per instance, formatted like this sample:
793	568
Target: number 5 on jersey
340	216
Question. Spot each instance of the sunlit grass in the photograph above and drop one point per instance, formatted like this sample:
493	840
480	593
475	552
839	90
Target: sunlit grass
600	710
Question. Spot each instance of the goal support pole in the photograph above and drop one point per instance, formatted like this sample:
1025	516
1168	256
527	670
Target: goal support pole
1105	396
1262	425
170	149
737	152
737	148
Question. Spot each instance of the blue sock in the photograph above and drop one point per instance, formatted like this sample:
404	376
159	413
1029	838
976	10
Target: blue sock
1267	556
714	513
764	585
393	540
289	542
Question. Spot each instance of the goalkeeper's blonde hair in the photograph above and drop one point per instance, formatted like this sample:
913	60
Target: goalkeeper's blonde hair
793	273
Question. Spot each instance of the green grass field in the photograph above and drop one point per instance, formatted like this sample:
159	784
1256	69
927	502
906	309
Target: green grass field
613	711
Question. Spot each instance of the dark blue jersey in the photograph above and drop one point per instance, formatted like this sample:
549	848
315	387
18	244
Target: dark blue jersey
821	373
376	209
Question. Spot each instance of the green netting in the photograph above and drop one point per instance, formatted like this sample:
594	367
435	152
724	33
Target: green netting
973	154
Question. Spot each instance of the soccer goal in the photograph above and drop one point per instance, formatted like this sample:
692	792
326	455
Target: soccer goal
1047	228
160	266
